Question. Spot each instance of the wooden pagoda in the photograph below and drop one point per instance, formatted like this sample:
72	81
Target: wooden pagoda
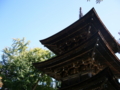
85	58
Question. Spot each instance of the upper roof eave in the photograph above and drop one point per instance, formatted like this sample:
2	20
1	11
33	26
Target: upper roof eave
104	26
57	35
48	41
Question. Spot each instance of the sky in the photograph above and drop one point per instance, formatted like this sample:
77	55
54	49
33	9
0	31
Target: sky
38	19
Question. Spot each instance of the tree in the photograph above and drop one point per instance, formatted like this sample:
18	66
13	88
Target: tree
97	1
17	70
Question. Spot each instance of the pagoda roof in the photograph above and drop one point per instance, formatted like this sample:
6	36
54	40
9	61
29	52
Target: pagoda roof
103	80
90	19
104	55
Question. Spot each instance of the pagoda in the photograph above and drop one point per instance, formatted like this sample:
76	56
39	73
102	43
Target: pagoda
85	58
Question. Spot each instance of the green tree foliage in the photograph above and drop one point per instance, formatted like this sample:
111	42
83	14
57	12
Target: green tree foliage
17	70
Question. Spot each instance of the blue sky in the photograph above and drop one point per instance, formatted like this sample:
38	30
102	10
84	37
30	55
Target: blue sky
39	19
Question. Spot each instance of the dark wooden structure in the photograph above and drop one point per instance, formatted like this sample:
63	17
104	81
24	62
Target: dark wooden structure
85	56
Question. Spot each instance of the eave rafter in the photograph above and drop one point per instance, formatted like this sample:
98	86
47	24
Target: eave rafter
83	24
72	40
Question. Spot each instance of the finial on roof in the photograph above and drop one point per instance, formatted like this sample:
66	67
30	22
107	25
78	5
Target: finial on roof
80	14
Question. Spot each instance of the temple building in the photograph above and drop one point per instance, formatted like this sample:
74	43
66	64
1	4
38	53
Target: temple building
85	58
